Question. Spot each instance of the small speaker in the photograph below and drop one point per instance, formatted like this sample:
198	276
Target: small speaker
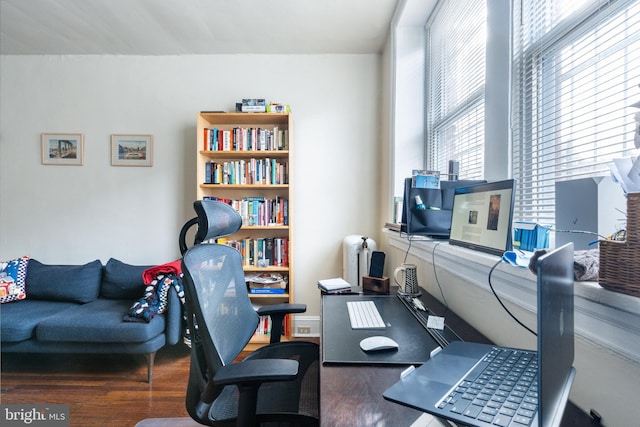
454	170
377	264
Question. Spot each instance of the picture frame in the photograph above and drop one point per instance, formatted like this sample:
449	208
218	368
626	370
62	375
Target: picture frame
65	149
131	150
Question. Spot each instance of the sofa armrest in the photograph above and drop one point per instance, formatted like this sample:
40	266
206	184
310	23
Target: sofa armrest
173	318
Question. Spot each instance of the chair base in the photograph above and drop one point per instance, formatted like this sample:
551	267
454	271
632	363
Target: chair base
168	422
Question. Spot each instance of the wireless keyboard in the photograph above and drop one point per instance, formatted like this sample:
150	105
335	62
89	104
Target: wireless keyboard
364	315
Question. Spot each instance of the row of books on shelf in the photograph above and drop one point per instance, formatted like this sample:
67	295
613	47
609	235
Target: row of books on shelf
258	210
253	171
264	327
261	251
265	324
246	139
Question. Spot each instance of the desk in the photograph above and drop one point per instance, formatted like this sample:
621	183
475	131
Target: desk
351	395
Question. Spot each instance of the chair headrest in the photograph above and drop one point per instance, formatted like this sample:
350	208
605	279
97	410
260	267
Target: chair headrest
215	219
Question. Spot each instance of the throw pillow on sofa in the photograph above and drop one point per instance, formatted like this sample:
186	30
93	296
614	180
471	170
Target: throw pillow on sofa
12	279
122	281
73	283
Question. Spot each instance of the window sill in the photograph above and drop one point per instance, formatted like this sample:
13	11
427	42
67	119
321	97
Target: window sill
608	319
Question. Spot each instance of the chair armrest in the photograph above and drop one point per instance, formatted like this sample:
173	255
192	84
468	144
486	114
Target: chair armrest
248	376
277	313
256	372
281	309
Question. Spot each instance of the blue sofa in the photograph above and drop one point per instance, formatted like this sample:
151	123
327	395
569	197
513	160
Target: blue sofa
81	309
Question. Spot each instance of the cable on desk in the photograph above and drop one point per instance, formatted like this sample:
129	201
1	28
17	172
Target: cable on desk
433	263
406	254
423	320
435	275
502	304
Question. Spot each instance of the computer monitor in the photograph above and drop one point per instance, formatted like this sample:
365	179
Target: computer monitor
482	217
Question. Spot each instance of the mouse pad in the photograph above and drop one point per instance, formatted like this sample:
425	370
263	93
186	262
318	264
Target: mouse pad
341	344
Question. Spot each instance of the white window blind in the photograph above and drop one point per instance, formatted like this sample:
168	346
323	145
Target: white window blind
576	72
456	77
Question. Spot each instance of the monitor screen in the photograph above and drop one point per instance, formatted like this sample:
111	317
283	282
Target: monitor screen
482	217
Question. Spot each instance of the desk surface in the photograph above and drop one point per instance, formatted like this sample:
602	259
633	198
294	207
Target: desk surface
351	395
342	345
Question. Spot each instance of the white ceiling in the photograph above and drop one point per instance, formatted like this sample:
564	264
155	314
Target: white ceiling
177	27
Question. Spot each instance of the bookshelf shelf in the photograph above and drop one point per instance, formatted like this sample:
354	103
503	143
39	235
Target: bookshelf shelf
275	269
275	298
224	141
230	154
265	227
245	186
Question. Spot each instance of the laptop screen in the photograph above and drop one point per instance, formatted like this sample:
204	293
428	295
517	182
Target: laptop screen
482	217
555	332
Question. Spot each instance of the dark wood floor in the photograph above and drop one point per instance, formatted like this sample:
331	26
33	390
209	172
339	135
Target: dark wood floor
101	390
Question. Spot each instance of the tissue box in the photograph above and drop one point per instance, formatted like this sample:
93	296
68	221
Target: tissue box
529	236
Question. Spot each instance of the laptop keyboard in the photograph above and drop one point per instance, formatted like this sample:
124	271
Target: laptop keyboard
501	390
364	315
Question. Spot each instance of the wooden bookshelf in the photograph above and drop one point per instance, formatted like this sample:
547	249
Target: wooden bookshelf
246	141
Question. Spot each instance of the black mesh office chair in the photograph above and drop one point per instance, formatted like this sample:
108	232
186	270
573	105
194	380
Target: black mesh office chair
276	384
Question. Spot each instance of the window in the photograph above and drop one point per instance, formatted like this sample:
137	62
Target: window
456	77
576	70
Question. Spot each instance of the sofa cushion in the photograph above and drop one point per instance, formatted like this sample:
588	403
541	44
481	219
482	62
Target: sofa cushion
122	281
73	283
12	279
18	321
98	321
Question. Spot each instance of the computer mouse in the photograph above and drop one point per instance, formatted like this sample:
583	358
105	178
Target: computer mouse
377	343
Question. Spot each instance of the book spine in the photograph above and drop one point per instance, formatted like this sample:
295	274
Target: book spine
226	140
274	138
207	172
245	136
272	291
268	250
263	140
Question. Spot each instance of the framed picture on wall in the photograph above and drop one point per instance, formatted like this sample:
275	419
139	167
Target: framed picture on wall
131	150
62	149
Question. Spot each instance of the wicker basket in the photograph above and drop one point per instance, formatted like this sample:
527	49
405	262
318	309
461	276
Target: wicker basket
620	267
633	218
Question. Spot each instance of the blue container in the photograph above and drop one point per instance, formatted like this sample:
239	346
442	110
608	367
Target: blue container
529	236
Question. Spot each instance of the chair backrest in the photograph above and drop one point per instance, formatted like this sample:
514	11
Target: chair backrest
222	318
217	297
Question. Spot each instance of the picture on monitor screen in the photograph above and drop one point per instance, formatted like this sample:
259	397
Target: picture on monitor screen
482	217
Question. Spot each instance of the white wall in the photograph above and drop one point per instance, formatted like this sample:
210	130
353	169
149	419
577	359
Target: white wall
75	214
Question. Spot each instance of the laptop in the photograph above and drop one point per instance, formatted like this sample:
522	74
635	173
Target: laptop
531	391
